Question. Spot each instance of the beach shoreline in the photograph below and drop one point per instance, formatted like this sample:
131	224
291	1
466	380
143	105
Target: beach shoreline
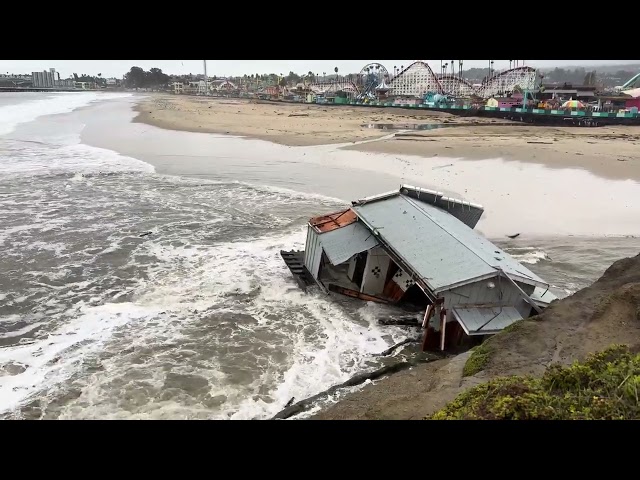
608	152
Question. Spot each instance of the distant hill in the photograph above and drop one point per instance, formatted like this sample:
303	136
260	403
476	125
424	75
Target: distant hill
600	68
606	76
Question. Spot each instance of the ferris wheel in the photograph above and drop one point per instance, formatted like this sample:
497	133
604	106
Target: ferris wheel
370	77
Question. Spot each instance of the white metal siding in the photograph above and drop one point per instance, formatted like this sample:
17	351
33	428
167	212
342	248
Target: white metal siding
528	289
375	272
313	252
479	293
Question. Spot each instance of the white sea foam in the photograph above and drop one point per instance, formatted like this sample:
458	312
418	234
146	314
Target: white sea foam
51	360
530	257
13	115
323	345
58	150
68	157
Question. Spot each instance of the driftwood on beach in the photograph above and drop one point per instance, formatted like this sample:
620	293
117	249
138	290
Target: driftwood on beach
358	379
390	350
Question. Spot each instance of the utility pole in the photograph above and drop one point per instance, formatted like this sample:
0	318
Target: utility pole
206	82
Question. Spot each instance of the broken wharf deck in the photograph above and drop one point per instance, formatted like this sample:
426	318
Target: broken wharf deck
294	260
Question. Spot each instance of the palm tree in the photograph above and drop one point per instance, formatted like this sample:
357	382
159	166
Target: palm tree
394	70
336	70
461	62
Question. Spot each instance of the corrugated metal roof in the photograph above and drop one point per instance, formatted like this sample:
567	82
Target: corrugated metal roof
326	223
466	212
542	296
343	243
438	247
474	318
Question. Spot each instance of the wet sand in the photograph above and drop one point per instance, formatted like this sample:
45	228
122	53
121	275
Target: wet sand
519	197
282	123
611	152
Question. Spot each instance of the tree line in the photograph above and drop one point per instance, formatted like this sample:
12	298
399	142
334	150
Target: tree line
90	79
155	78
139	78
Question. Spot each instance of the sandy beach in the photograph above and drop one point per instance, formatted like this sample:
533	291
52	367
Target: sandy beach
610	152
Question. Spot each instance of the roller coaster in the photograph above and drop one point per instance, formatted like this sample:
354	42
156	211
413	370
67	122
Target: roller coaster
418	79
633	83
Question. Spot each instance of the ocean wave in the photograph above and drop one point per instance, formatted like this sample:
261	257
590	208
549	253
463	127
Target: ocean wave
287	193
531	256
20	159
13	115
208	316
203	299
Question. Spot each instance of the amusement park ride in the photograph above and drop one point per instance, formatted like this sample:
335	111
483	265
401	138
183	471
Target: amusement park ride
419	79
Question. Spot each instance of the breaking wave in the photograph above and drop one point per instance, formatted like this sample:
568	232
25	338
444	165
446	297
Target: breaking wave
528	255
13	115
136	295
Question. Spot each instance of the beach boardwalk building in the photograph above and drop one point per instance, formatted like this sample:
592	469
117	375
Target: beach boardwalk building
418	247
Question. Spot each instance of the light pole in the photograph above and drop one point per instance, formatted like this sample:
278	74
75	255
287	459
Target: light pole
206	83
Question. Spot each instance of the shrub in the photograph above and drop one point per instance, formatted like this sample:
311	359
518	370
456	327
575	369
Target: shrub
477	360
604	387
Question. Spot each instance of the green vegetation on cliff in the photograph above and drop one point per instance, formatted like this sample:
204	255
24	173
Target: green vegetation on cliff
482	353
604	387
478	359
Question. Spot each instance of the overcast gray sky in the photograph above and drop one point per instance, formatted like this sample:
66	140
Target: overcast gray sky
117	68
